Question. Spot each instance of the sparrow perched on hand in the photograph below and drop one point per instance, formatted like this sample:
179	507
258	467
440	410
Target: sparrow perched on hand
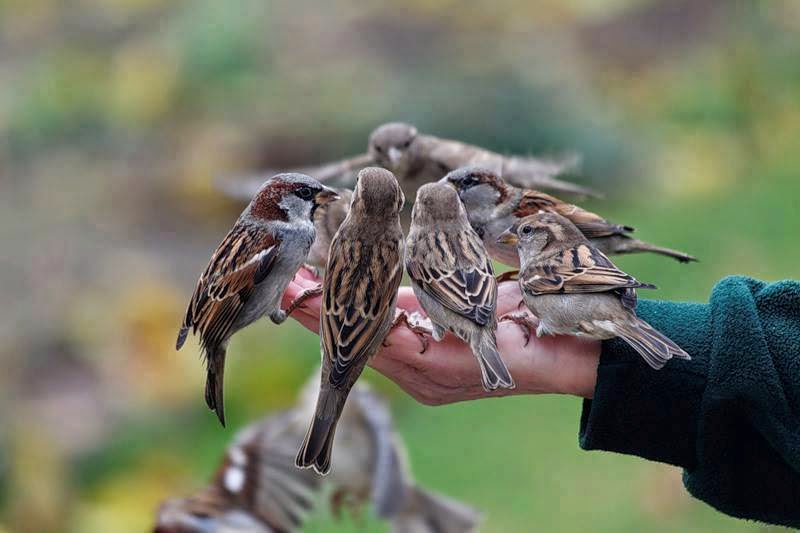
257	488
452	277
327	220
576	290
493	206
416	159
358	302
250	270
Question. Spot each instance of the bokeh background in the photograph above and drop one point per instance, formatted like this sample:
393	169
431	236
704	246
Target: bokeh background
117	115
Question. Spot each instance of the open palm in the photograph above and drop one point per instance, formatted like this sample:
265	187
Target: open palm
447	371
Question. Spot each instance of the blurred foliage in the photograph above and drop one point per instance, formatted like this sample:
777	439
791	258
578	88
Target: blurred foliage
116	116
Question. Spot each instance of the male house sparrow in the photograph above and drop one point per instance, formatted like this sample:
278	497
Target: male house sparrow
416	159
358	302
452	277
250	270
576	290
493	206
257	488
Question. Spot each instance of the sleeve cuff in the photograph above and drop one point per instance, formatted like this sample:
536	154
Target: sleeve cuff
651	413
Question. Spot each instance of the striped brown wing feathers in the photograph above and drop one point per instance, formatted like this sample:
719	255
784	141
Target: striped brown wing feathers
357	302
242	261
456	273
580	269
591	224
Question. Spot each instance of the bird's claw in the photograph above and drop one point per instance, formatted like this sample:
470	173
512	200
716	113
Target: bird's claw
511	275
300	301
523	321
420	331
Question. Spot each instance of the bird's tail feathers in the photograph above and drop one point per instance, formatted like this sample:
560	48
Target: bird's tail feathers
429	512
494	373
655	347
315	452
635	245
215	362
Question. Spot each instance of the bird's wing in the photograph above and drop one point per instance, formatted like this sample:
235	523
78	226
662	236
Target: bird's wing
343	172
390	478
591	224
469	290
258	472
449	155
580	269
243	259
357	302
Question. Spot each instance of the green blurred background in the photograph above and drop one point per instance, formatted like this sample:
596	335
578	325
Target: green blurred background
116	116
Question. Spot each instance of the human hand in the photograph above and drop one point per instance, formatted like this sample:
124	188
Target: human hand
447	372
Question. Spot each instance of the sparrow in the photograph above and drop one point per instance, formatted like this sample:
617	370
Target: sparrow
452	277
257	488
416	159
358	302
574	289
250	270
493	206
327	220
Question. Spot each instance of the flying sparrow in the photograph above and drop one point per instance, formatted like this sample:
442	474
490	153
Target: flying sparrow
358	302
250	270
452	277
416	159
493	206
257	487
574	289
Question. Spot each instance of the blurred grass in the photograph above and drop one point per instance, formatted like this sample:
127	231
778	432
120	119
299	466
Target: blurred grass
116	115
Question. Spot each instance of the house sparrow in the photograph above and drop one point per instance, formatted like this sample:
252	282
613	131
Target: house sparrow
576	290
358	302
452	277
327	220
258	489
417	159
250	270
493	206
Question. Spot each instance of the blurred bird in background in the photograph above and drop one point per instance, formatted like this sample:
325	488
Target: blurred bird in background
416	158
258	489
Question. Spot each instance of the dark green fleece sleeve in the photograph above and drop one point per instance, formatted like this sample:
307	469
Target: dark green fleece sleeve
730	416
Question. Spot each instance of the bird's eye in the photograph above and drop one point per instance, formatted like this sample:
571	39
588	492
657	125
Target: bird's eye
378	149
470	181
407	143
526	230
305	193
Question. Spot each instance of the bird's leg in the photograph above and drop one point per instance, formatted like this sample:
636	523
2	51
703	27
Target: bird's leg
523	321
511	275
419	331
300	301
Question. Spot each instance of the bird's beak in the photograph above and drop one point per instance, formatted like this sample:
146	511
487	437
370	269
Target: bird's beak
326	196
395	155
508	237
447	182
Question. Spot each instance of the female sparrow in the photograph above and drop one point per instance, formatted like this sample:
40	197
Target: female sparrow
358	302
576	290
416	158
257	487
250	270
493	206
452	277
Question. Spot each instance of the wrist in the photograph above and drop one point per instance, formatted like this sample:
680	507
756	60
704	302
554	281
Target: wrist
578	362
